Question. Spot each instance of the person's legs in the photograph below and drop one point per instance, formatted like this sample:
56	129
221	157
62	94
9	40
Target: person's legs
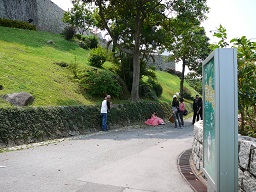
197	117
201	114
181	118
178	118
194	117
104	121
175	119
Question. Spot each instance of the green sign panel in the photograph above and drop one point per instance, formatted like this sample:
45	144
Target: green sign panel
209	120
220	143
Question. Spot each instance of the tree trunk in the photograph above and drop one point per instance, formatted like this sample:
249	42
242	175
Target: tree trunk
136	77
136	55
182	77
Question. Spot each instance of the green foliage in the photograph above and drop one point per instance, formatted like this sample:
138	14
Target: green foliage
134	24
97	57
246	55
78	36
194	81
89	42
220	33
187	93
69	32
246	80
156	87
101	83
79	16
16	24
150	89
146	91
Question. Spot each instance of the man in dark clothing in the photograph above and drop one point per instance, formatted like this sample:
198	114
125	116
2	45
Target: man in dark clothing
195	109
200	108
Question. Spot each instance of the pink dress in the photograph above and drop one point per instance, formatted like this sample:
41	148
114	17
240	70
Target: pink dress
154	120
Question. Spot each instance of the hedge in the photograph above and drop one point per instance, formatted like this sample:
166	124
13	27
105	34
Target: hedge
16	24
34	124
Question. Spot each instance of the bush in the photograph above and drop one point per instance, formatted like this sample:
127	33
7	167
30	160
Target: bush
187	93
156	87
16	24
88	42
69	32
146	91
93	42
78	36
150	89
99	84
98	56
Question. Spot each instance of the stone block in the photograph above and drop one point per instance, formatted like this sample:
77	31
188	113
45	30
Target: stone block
198	132
240	178
252	167
200	151
249	182
244	154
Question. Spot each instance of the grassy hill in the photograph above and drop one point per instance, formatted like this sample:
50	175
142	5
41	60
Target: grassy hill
28	63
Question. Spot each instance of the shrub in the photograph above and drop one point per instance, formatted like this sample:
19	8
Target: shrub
82	45
99	84
146	90
89	42
187	93
93	42
16	24
97	57
69	32
156	87
78	36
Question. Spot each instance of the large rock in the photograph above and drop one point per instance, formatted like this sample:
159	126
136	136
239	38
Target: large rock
19	99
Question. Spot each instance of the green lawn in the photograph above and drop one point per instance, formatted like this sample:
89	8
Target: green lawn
27	63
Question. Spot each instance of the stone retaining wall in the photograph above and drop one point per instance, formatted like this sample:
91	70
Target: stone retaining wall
161	62
246	158
46	15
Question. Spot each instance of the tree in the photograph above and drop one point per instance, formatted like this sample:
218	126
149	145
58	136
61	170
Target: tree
187	41
246	79
134	27
79	16
220	33
246	58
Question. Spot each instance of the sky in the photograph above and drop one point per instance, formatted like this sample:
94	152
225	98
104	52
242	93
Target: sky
237	16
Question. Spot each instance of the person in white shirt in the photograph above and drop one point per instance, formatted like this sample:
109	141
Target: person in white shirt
105	107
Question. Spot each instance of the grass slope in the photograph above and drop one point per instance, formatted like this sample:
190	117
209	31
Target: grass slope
27	64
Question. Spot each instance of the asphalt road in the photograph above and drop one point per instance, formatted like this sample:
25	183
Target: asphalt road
125	160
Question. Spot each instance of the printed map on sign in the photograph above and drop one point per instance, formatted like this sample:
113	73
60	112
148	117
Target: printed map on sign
209	120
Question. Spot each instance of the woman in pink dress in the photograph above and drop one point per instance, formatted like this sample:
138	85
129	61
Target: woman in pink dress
154	120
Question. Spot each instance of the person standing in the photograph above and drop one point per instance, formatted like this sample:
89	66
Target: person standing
200	108
181	111
195	110
175	109
105	107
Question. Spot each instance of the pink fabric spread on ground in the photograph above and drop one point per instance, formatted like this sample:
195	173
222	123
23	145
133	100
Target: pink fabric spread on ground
154	120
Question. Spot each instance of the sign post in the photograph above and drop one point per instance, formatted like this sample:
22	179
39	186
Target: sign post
220	133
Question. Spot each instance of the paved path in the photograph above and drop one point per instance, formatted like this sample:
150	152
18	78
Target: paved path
126	160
